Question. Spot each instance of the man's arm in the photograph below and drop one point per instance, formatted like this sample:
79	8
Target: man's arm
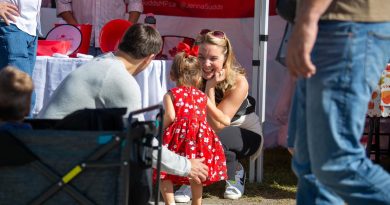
64	10
303	37
181	166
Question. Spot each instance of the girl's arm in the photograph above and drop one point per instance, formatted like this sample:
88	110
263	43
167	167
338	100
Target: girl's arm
169	114
231	102
217	114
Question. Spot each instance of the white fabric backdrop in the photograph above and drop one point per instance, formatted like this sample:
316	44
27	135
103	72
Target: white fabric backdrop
240	32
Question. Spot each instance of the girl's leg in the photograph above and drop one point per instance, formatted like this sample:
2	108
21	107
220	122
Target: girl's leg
197	190
166	188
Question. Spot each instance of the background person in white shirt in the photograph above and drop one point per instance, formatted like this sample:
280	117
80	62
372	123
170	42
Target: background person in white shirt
18	34
97	13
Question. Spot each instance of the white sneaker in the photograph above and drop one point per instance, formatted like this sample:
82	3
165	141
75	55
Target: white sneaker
183	194
235	188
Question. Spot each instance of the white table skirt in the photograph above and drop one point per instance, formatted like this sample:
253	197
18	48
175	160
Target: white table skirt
49	73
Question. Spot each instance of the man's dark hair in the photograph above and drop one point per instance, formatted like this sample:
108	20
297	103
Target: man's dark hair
140	41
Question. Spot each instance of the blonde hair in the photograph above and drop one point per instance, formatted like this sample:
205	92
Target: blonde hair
16	88
231	65
185	70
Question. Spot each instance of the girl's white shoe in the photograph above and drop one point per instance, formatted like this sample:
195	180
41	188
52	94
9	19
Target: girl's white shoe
183	194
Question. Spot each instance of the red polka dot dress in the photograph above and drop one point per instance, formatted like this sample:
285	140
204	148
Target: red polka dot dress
191	136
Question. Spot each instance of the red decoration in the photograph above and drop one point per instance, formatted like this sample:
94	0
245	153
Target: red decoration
183	47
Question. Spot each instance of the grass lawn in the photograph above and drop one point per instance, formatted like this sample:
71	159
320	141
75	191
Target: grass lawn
278	186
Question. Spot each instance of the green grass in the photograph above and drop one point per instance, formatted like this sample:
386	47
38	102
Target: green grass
279	181
278	186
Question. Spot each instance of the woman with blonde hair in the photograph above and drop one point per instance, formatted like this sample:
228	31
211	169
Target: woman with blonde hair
225	84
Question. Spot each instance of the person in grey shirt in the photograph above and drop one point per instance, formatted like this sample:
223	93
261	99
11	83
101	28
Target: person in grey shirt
108	82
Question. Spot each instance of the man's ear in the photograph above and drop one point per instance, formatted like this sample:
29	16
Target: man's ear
145	63
149	59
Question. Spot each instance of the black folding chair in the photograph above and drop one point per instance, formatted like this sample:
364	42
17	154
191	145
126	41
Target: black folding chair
65	167
140	152
14	154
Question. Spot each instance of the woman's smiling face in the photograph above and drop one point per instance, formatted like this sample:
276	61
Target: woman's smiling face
211	59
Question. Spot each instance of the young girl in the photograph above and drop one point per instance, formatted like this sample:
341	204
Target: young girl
187	131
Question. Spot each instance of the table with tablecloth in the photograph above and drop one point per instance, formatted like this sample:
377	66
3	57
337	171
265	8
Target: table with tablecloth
49	73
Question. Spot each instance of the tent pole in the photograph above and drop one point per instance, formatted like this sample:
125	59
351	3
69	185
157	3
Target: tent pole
259	63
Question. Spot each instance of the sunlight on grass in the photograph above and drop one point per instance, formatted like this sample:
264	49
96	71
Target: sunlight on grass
278	186
279	181
284	187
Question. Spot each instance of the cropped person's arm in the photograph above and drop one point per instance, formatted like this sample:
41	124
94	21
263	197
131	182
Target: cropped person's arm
135	8
178	165
134	16
230	103
303	37
64	10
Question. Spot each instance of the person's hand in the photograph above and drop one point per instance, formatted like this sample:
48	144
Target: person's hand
199	171
8	12
299	48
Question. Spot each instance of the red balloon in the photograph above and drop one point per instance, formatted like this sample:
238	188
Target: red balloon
112	33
